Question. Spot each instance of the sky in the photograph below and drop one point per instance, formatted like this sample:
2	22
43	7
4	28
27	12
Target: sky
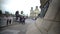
21	5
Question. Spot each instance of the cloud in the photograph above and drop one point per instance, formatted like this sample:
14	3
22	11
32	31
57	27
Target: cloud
25	5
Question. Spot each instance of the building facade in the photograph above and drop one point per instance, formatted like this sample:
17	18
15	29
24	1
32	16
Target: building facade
34	13
48	21
31	13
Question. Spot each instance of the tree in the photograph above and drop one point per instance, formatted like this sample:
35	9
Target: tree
17	14
7	13
21	12
0	11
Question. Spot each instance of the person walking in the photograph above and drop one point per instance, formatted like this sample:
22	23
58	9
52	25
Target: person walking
22	19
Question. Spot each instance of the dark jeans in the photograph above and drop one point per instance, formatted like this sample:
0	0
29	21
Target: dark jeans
8	21
22	20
